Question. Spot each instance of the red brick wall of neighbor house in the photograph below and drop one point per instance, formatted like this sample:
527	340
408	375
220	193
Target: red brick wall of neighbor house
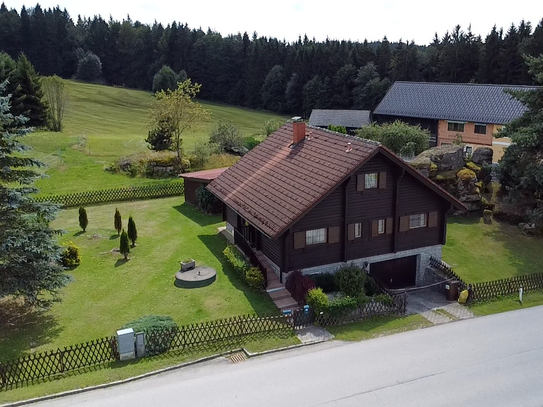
364	207
468	136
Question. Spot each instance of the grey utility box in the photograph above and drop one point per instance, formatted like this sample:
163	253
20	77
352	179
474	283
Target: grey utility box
125	341
140	345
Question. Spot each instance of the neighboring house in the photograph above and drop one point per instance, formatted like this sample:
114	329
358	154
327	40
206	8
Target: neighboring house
449	110
313	200
194	180
350	119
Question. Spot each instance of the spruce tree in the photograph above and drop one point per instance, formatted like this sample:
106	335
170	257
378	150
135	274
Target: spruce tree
29	254
124	246
29	95
132	231
83	220
117	221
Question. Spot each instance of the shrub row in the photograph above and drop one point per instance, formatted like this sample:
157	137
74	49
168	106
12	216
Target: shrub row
251	275
349	280
298	285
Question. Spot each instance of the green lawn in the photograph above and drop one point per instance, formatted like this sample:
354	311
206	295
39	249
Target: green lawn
106	292
479	252
378	327
509	303
103	123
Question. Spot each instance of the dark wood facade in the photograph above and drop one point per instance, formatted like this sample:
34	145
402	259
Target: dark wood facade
397	196
427	124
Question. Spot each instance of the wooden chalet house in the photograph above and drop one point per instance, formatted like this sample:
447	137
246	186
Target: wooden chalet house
475	112
313	200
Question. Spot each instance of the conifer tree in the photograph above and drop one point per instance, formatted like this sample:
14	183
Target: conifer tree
132	231
83	220
29	254
124	246
29	95
118	222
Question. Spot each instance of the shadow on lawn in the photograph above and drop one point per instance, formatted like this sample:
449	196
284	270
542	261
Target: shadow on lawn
260	302
23	328
196	216
465	220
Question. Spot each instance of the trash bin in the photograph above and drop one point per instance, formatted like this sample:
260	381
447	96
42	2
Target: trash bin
451	290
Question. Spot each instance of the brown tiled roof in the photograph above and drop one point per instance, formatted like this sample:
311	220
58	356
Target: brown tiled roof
276	183
203	176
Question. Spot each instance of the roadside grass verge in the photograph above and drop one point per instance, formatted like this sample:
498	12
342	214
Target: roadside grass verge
124	370
509	303
107	292
103	123
377	327
479	252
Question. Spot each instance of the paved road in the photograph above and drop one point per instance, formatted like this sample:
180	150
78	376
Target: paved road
490	361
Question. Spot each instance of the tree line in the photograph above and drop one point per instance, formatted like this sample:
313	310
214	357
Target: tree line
261	72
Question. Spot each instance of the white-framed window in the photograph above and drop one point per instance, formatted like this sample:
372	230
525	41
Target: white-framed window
455	126
381	227
315	236
357	230
417	221
370	180
480	128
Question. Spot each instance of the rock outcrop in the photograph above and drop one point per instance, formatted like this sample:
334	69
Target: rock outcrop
482	155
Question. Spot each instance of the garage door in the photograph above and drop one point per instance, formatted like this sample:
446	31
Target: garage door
397	273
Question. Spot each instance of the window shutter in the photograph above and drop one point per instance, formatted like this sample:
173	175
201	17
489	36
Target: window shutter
299	240
350	232
333	234
375	228
382	180
404	223
360	182
432	219
389	224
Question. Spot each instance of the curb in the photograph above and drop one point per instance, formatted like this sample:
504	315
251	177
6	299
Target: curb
157	372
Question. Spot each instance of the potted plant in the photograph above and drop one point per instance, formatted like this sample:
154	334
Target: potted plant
188	264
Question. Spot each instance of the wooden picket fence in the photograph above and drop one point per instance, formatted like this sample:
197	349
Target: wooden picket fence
115	195
507	286
51	363
446	270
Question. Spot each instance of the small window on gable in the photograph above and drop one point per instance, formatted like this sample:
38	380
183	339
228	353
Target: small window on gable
315	236
357	230
480	128
370	180
455	126
417	221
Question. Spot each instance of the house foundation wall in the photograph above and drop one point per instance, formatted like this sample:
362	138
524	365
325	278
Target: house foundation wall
423	262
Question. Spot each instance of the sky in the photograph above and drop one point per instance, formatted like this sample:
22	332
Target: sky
356	20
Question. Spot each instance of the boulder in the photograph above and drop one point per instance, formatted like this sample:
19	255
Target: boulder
422	164
466	191
446	158
482	155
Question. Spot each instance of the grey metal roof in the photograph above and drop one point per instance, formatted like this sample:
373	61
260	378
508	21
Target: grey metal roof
347	118
452	101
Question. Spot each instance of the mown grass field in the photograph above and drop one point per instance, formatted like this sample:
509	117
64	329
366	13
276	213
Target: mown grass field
479	252
107	292
104	123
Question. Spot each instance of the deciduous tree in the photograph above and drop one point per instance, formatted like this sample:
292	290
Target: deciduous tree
399	137
56	97
179	110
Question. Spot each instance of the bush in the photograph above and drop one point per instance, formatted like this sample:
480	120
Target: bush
350	280
371	288
150	164
251	275
89	67
326	281
317	300
298	285
466	174
250	142
344	305
254	278
201	153
227	137
384	299
207	202
70	256
161	341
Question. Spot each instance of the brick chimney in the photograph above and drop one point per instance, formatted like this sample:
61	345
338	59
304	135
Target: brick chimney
298	132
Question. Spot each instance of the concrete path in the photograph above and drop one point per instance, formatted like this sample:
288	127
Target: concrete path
435	308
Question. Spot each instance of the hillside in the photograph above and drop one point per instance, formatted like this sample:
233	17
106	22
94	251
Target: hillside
103	123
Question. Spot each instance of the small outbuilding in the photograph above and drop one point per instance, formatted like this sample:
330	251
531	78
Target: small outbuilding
193	180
